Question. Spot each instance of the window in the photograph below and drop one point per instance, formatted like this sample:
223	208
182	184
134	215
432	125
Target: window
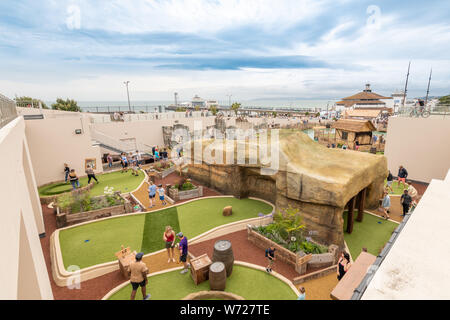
344	135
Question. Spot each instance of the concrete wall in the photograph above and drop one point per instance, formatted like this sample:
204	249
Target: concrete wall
23	273
420	145
52	142
149	132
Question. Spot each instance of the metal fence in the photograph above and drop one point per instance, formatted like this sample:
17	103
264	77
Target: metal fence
8	111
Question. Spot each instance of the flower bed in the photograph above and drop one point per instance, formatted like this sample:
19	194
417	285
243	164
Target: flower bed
287	235
163	168
76	208
185	190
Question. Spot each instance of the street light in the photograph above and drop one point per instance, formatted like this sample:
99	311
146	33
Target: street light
128	94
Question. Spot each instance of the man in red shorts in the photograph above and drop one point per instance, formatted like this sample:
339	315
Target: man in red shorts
401	176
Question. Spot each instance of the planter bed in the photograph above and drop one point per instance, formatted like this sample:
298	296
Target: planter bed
176	194
317	261
65	217
161	174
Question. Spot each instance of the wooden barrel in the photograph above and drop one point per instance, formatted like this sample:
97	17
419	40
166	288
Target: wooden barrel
223	252
217	276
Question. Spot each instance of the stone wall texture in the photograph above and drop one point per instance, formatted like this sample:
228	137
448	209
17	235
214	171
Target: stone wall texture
319	181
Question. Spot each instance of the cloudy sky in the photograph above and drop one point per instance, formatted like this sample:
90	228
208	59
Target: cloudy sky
321	49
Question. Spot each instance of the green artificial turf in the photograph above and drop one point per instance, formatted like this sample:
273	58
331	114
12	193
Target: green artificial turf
398	188
125	182
246	282
202	215
372	233
155	224
144	232
105	238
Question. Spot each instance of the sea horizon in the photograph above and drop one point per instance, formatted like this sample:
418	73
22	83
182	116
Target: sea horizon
152	105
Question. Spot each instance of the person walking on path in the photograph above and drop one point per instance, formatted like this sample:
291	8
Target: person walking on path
161	195
389	180
66	172
109	159
302	295
183	245
169	239
401	176
343	265
386	204
270	255
74	179
138	276
91	174
151	193
406	201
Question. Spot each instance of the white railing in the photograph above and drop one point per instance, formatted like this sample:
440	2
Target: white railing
131	117
8	111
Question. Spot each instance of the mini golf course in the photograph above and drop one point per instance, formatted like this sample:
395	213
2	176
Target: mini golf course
123	182
251	284
96	242
372	233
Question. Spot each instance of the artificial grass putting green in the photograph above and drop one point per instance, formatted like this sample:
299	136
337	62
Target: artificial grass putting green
397	187
155	224
246	282
144	232
124	182
372	233
96	242
202	215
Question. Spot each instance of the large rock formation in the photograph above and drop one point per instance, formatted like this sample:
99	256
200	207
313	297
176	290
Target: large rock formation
317	180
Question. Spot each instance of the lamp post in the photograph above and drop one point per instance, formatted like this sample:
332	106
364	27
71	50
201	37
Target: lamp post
128	94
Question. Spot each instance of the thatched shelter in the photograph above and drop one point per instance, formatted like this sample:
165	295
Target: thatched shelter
349	131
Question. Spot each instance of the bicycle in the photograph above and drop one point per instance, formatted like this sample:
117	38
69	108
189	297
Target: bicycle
419	112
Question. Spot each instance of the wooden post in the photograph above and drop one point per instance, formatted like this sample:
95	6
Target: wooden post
361	202
351	207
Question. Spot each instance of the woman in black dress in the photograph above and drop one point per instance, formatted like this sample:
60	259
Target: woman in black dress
343	265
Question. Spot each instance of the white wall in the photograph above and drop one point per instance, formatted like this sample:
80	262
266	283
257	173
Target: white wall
420	145
417	265
52	142
23	273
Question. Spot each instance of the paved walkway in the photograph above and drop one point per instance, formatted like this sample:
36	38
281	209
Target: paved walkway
396	209
142	193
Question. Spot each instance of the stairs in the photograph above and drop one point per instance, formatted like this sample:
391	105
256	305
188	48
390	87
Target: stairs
110	143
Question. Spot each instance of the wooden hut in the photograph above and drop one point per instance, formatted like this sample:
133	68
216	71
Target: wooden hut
349	131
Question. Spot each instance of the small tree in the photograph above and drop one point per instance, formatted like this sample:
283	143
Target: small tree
274	114
235	107
213	110
288	223
66	105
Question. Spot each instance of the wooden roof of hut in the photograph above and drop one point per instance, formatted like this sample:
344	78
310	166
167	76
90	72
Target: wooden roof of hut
354	125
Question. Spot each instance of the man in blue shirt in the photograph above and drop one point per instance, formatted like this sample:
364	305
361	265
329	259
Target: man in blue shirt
183	245
151	193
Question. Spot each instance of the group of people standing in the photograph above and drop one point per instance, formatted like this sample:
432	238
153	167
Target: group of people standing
71	176
133	161
138	270
408	198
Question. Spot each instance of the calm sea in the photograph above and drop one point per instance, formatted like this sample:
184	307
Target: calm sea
152	105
